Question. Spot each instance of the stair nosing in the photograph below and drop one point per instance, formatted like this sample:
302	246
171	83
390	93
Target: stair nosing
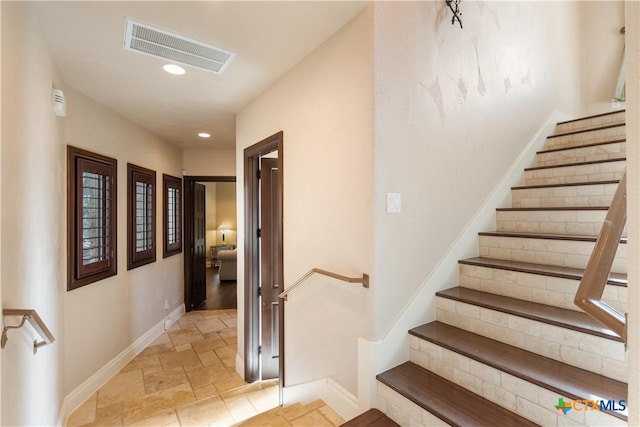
608	113
539	269
544	236
567	165
592	328
556	208
575	147
498	349
594	129
571	184
372	417
439	410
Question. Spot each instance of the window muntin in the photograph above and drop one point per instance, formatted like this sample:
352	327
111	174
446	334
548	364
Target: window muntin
91	219
141	218
95	214
144	217
172	215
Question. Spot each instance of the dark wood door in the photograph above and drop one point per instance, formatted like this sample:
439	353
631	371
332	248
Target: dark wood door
270	262
199	278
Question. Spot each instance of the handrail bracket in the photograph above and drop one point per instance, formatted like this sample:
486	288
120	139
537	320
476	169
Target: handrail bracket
36	323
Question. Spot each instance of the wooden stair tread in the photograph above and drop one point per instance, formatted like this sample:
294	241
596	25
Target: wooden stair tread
556	208
608	113
546	236
616	279
371	418
571	184
575	320
593	129
574	147
566	165
553	375
446	400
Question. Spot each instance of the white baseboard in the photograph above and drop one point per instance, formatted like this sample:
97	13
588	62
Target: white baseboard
173	317
85	390
332	393
305	392
343	402
239	365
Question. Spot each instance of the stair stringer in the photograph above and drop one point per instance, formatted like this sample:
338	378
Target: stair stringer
392	349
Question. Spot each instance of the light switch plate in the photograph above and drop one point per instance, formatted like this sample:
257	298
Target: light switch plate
394	202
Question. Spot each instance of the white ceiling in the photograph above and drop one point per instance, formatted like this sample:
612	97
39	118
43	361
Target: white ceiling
86	40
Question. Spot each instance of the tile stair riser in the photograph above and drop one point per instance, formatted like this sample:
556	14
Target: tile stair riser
594	172
591	122
570	222
403	411
585	138
591	195
554	291
515	394
562	253
581	154
596	354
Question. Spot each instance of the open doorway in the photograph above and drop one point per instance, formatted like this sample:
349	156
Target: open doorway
210	243
263	256
220	244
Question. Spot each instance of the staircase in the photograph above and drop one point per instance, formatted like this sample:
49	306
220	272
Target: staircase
509	347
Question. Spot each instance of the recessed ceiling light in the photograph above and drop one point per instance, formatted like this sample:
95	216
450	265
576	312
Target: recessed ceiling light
173	69
204	135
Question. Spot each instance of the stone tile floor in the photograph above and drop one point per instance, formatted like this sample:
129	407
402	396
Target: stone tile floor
187	377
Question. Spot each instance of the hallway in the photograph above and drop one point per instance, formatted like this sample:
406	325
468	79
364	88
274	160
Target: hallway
187	377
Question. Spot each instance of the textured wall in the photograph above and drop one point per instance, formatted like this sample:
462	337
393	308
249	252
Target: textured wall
103	318
453	109
33	218
324	106
209	162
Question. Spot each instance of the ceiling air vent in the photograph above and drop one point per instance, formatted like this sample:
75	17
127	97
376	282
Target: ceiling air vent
161	43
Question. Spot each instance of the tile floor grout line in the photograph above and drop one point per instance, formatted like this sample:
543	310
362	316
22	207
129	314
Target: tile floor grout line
160	360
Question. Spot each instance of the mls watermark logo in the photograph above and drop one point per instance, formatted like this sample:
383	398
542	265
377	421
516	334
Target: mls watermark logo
591	405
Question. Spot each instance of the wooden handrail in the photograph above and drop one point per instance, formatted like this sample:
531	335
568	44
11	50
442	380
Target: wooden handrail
589	294
364	280
36	323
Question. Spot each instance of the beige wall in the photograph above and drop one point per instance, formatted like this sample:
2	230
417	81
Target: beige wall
453	110
601	48
210	211
1	210
324	107
118	310
633	200
209	162
33	218
221	209
93	324
226	211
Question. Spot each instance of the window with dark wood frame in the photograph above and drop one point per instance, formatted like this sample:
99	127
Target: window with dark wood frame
141	216
172	198
91	217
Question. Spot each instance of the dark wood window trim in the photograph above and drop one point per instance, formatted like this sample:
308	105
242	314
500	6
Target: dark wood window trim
141	216
172	213
91	217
